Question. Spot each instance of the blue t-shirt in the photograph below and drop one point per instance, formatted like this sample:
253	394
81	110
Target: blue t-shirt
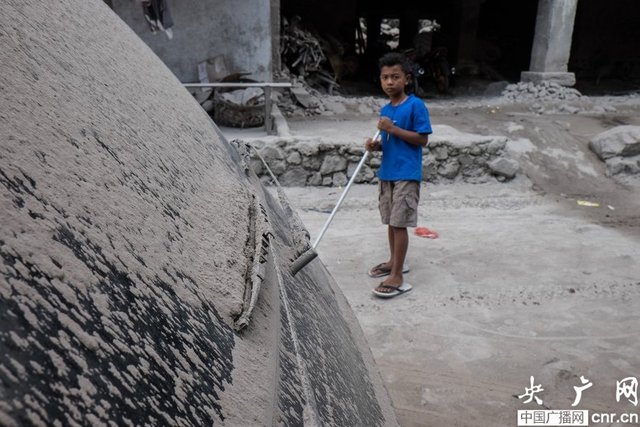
402	161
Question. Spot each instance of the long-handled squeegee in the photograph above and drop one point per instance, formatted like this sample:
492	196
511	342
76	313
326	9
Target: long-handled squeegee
308	256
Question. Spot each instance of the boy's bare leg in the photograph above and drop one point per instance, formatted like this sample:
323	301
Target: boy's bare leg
391	245
399	243
389	264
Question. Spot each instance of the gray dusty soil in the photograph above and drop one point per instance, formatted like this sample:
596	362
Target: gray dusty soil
521	282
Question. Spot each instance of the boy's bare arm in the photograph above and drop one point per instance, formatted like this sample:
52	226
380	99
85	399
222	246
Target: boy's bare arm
411	137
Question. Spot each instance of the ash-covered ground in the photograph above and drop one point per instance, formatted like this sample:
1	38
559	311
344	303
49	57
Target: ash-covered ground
525	278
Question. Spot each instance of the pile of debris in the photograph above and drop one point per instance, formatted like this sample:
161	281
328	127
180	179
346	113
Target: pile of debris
552	98
308	56
366	105
300	50
525	92
301	100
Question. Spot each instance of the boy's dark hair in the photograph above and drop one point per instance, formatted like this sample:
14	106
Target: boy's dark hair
393	58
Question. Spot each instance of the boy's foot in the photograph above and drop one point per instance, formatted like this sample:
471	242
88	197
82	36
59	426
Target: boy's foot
384	269
390	291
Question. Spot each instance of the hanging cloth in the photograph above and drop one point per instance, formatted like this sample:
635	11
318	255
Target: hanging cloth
156	12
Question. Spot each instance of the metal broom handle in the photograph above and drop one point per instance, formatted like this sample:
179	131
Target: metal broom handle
344	193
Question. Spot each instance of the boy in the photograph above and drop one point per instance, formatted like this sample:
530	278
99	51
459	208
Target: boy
405	127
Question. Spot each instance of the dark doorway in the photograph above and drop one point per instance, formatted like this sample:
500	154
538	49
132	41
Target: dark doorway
505	38
605	54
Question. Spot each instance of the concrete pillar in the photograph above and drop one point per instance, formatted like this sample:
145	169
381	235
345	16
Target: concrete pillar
552	43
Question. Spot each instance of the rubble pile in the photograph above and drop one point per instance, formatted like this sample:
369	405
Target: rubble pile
543	92
552	98
296	104
362	105
301	100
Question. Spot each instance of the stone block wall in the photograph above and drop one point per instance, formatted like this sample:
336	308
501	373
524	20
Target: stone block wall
316	163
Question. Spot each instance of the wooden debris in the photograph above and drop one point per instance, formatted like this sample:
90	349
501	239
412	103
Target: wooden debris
300	50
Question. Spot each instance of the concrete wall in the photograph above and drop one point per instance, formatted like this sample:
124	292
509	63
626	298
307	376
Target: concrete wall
202	29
